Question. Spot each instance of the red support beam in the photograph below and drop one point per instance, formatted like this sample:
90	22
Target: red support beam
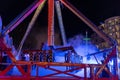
27	75
9	53
50	22
61	64
4	47
86	20
21	17
63	72
92	73
29	71
109	56
21	70
6	70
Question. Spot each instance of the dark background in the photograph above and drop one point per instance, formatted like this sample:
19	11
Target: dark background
95	10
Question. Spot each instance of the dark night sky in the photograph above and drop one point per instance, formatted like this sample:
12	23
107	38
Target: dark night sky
95	10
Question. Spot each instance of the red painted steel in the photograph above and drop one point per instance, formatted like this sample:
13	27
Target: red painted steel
50	22
27	75
85	20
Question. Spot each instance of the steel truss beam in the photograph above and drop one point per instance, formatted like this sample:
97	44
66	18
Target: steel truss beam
86	20
28	76
50	22
51	76
10	27
34	18
9	53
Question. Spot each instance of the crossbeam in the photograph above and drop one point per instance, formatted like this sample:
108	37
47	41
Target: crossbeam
11	26
86	20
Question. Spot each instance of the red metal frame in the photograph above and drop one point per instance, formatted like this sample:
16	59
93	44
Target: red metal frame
21	17
50	22
9	53
28	76
85	20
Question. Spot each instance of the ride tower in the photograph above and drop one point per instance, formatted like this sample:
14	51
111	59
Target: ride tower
25	67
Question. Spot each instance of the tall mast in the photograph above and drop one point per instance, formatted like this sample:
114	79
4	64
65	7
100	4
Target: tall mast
37	12
50	22
59	15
